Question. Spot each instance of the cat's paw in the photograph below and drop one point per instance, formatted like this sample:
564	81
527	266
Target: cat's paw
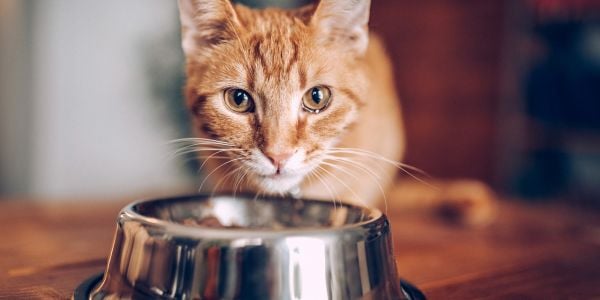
466	202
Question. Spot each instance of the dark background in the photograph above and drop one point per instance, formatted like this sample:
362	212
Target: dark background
504	91
447	62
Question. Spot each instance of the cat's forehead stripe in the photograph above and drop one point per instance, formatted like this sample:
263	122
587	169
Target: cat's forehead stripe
255	41
294	58
275	58
302	76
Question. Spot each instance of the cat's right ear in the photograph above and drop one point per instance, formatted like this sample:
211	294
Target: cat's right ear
344	22
206	23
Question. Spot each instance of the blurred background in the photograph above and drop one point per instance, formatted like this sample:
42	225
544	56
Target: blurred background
507	92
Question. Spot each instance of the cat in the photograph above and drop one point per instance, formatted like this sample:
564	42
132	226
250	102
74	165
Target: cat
303	102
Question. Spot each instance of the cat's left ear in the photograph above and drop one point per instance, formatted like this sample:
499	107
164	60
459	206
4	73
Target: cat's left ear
345	22
206	23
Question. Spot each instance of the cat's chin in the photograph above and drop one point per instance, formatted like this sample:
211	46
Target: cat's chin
278	184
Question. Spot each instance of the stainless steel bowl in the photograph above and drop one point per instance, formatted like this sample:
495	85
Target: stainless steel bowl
224	247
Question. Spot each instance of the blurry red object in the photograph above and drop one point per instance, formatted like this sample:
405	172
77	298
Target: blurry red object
565	9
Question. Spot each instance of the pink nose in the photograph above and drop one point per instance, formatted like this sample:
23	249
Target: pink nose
279	159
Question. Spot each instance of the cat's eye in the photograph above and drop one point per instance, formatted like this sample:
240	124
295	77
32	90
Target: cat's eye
316	99
239	100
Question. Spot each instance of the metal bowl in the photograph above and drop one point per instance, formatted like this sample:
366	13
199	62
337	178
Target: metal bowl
226	247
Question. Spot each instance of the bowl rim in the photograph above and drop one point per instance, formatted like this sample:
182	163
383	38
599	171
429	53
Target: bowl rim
128	213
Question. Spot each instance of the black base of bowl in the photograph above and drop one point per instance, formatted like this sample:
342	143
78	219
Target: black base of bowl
411	292
83	291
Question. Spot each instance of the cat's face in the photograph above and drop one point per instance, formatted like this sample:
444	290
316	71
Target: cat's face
281	87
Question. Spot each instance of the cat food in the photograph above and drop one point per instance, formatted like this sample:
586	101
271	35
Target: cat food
210	222
213	222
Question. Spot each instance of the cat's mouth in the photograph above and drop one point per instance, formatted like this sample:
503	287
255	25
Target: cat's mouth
278	182
279	175
277	178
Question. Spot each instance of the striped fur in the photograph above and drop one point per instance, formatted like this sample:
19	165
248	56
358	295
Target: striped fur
276	56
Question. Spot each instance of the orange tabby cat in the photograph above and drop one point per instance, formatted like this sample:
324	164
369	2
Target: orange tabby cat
298	101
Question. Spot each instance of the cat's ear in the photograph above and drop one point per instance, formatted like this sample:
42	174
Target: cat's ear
205	23
344	21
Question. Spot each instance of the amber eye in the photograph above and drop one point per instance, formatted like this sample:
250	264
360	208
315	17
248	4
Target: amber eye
316	99
239	100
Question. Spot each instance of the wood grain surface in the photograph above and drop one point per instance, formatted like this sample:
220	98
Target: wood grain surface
529	252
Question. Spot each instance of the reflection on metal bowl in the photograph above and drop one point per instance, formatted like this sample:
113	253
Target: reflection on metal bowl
225	247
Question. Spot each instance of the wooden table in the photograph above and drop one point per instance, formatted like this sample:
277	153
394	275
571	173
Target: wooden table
529	252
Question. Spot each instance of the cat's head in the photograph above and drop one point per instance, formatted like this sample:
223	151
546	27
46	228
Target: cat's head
283	86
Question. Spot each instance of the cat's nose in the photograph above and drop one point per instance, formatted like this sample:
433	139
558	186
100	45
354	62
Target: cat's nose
279	158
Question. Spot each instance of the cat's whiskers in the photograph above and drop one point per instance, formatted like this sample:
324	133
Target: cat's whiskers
197	149
218	148
203	157
239	180
192	145
360	159
357	198
344	184
258	193
335	167
345	170
217	168
195	139
315	172
356	164
228	173
216	153
401	166
377	156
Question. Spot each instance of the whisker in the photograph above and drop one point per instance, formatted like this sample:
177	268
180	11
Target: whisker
352	163
372	175
202	157
377	156
374	179
331	193
258	193
192	139
192	145
215	144
344	184
357	158
183	152
211	156
217	168
228	174
337	195
401	166
238	182
195	148
186	160
199	141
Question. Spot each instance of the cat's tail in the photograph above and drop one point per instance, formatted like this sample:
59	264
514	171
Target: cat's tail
461	202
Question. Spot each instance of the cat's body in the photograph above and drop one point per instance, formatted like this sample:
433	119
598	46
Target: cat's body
378	129
292	100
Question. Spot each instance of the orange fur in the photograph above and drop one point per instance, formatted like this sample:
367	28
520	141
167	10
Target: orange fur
276	56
